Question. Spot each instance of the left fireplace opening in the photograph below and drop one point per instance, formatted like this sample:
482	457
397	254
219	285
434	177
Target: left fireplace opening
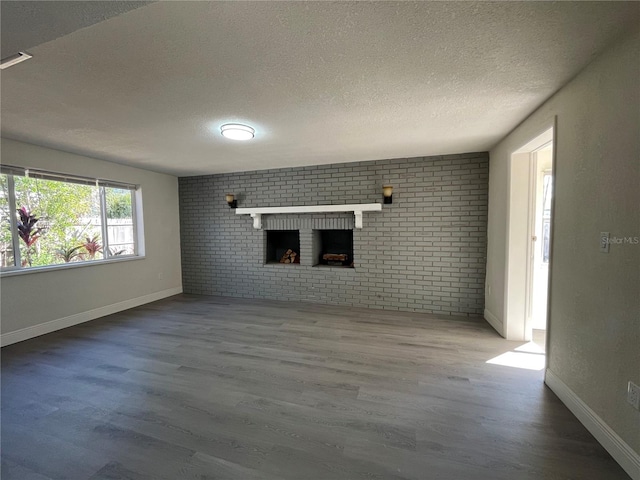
283	247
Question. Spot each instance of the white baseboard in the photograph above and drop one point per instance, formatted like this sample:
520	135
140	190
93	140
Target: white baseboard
60	323
494	321
628	459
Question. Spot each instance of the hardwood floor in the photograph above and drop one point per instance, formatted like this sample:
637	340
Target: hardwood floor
196	387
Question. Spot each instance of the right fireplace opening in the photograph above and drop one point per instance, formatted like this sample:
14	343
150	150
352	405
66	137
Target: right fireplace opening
333	248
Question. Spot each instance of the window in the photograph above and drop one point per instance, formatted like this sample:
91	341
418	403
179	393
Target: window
119	221
53	219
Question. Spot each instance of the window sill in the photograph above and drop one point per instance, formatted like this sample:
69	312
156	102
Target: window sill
66	266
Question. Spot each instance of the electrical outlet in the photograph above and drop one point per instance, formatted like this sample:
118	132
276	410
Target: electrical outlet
633	395
604	242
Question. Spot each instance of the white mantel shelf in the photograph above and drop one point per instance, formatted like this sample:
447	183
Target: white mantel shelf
357	209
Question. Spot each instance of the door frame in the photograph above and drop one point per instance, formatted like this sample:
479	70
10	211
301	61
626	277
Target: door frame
518	251
536	208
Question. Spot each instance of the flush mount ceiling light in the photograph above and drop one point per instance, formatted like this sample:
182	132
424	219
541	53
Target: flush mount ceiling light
237	131
14	59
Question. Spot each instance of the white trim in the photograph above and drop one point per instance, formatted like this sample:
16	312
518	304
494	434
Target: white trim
527	333
13	271
358	219
622	453
138	224
60	323
356	207
357	210
257	220
507	234
540	140
494	321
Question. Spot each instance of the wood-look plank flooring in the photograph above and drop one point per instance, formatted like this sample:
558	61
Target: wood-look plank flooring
197	387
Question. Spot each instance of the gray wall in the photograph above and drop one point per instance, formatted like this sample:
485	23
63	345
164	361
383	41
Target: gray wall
594	297
83	292
424	252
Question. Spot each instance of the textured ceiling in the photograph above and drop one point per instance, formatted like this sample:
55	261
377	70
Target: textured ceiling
322	82
26	24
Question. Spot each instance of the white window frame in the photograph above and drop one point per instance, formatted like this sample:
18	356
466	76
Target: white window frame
102	185
106	252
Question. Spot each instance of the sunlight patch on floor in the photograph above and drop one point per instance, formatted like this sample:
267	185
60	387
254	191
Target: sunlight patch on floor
520	359
530	347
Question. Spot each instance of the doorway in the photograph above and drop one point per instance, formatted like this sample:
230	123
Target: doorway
539	257
529	239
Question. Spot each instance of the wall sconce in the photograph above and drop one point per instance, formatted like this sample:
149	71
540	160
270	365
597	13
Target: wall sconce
387	192
231	201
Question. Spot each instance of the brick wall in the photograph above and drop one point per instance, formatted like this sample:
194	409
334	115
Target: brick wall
424	252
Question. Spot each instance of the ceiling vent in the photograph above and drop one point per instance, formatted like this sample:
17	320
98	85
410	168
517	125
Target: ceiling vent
14	59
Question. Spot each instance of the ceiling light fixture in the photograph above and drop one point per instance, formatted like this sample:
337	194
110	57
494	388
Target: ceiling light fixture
237	131
14	59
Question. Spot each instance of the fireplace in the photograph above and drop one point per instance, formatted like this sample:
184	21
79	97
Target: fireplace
283	247
333	248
